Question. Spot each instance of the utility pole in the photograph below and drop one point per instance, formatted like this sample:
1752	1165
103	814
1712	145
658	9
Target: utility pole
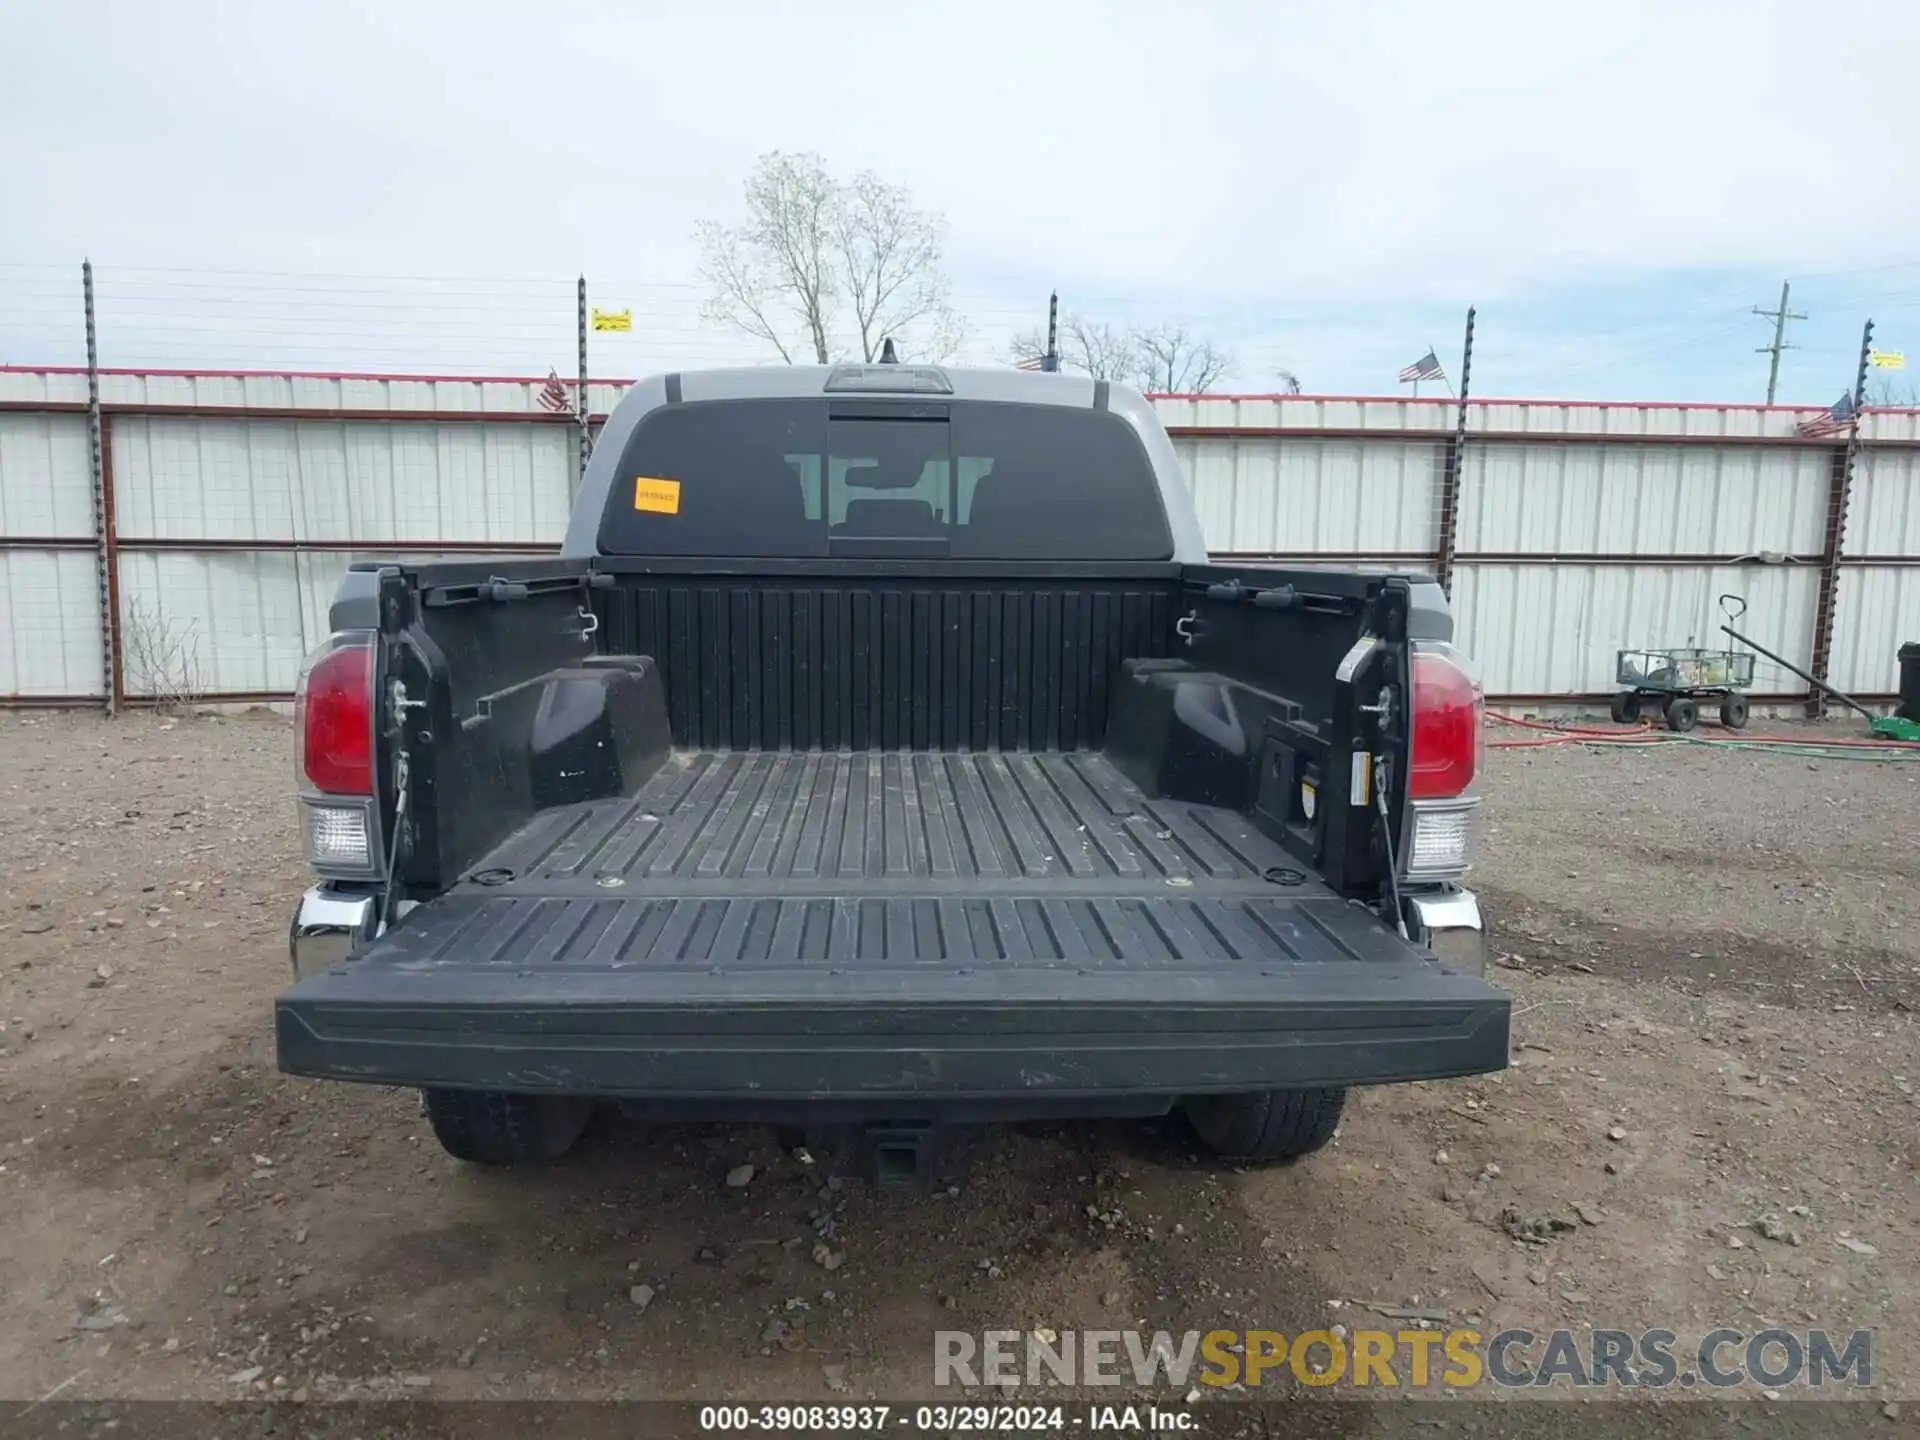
1780	318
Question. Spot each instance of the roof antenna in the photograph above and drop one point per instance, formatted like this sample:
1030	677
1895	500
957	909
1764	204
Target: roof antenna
887	355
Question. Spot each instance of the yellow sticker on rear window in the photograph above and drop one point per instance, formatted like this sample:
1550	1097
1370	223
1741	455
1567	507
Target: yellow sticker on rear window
661	497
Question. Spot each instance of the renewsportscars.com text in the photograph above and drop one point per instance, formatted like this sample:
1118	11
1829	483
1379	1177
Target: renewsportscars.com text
1722	1359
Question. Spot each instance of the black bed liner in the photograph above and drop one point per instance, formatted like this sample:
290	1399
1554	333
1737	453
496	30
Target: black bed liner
899	925
856	821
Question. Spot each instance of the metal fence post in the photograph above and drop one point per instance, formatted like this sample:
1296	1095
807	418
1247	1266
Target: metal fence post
1839	496
585	405
106	558
1446	541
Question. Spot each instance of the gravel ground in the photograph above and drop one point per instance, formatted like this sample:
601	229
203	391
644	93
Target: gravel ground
1715	958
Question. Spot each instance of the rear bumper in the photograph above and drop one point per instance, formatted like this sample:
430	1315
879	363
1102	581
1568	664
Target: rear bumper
1448	922
629	1055
329	924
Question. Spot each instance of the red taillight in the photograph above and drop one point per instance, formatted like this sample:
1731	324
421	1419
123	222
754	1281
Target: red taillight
333	712
1446	726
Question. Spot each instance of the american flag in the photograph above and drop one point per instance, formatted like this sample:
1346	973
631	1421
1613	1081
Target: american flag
1427	367
1031	362
553	395
1837	418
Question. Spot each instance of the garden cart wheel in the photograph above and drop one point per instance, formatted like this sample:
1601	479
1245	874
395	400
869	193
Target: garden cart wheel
1733	712
1682	714
1625	708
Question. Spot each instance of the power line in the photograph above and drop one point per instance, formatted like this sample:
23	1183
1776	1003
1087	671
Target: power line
1779	318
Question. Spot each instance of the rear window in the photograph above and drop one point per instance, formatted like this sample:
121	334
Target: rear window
818	478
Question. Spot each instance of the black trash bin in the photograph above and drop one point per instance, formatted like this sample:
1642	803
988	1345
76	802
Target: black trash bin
1910	681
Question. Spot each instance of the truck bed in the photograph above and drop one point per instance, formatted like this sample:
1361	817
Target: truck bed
758	924
725	824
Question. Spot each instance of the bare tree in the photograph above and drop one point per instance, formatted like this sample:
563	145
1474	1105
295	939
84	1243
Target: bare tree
1106	352
1103	351
1885	391
1289	382
1028	345
825	269
1170	360
1164	357
939	339
889	258
771	273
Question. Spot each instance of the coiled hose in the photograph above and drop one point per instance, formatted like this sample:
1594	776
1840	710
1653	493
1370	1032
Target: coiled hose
1804	747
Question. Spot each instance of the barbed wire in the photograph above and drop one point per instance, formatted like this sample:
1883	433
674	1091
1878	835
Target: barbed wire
190	317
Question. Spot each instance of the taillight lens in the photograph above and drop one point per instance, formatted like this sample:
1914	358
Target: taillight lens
333	715
1446	724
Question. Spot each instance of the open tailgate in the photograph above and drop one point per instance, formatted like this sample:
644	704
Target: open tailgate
768	926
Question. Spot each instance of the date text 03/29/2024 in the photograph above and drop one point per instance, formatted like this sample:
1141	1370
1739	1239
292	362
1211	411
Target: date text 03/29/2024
945	1419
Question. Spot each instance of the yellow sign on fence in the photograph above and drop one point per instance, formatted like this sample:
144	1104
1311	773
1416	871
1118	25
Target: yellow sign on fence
1887	359
613	319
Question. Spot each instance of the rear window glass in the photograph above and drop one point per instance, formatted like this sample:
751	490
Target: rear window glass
810	478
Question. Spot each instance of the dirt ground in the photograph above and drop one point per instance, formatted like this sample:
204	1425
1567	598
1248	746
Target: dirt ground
1715	958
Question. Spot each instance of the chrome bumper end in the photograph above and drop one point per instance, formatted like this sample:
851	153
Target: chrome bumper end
1450	925
327	927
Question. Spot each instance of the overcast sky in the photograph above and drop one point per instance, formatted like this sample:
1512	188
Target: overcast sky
1320	187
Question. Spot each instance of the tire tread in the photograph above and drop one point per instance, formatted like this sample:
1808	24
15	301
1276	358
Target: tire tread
1267	1124
495	1127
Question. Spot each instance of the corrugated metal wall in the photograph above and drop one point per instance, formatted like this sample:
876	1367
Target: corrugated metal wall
1878	605
1643	498
1551	630
307	494
50	637
1581	529
1627	536
1267	496
363	482
291	502
1577	529
237	501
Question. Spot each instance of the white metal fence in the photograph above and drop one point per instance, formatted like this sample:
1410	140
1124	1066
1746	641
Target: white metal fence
1566	531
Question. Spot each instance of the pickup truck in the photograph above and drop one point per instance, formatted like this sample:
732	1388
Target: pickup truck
880	755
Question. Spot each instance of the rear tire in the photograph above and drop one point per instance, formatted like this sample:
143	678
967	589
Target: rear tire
1266	1124
493	1127
1682	714
1625	708
1733	712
